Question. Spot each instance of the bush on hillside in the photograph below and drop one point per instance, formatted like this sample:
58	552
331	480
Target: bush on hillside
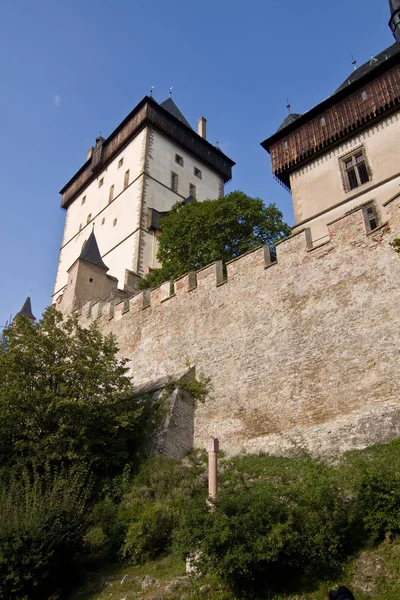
41	527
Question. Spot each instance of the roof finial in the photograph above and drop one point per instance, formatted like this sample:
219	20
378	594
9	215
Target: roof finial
151	90
288	106
170	91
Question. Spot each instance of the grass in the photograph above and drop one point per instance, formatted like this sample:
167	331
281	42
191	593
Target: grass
373	575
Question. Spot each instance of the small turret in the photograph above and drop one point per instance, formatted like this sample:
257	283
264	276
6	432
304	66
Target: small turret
394	22
26	310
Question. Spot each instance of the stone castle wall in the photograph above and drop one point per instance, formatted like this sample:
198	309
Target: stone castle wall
304	351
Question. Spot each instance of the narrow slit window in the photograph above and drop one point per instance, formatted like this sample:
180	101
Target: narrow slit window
83	200
364	96
101	181
115	222
89	218
323	122
103	220
111	194
120	162
126	179
192	190
174	182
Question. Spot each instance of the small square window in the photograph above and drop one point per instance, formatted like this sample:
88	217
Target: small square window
101	181
179	160
192	190
174	182
103	220
83	200
126	179
115	222
89	218
120	162
197	173
355	170
111	194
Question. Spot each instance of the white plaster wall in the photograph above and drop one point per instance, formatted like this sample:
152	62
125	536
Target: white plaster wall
125	208
162	162
318	186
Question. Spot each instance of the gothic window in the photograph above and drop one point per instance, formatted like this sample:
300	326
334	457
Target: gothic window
174	182
355	170
126	179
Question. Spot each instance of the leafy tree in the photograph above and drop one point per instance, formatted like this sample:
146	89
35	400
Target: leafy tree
65	397
396	245
198	233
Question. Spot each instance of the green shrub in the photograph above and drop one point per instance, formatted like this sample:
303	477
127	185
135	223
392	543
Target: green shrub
41	526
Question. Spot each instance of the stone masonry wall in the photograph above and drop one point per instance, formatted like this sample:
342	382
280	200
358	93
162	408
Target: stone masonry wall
304	351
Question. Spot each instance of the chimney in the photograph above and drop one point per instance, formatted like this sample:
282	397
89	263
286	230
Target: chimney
202	127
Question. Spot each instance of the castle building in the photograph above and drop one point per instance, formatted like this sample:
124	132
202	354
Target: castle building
152	160
344	152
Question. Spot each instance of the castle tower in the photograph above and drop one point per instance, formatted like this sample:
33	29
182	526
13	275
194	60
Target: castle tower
345	151
152	160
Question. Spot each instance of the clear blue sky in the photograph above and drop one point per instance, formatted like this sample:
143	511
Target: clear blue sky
72	68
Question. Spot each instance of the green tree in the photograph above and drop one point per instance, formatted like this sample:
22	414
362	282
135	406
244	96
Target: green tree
65	397
198	233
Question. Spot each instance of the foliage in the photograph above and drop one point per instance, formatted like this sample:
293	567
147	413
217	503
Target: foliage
65	397
396	245
41	526
196	234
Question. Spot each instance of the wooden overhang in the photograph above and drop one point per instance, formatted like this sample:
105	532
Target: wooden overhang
147	112
338	117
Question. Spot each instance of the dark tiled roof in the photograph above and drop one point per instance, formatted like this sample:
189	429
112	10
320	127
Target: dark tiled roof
372	64
91	253
172	108
26	310
394	5
289	119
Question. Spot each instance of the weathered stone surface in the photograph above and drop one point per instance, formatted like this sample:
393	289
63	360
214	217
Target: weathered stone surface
302	353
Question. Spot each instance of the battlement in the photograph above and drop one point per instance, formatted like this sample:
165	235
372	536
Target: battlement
300	350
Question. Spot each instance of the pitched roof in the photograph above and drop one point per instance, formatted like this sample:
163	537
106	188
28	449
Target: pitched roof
289	119
91	253
371	64
26	310
172	108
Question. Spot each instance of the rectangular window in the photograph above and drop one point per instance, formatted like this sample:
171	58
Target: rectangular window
192	190
197	172
80	226
101	181
370	218
103	220
114	222
126	179
111	194
355	170
120	162
174	182
89	218
179	160
83	200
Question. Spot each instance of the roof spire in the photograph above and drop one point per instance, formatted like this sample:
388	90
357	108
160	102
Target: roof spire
394	22
91	253
26	310
170	91
288	106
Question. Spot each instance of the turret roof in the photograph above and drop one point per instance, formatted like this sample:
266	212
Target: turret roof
289	119
91	253
26	310
172	108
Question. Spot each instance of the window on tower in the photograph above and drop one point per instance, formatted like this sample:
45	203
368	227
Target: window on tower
197	172
179	160
355	170
126	179
101	181
120	162
192	190
111	194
